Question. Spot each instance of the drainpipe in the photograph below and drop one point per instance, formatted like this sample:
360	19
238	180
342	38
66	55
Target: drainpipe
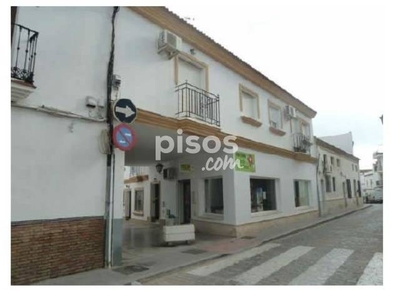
111	156
316	176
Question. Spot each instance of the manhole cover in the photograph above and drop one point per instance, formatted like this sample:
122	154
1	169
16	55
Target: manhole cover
247	237
130	269
194	251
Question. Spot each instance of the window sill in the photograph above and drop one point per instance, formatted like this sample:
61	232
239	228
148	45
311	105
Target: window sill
304	207
264	213
251	121
276	131
137	213
212	216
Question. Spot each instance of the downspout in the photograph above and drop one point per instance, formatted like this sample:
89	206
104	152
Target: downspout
111	156
316	176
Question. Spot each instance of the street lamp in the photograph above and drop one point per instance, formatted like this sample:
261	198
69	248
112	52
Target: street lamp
159	167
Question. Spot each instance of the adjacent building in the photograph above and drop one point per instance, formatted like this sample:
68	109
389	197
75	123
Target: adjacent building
372	180
339	185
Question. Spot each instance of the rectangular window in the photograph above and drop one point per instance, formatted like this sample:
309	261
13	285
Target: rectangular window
332	161
249	103
139	199
338	162
305	129
301	193
354	188
214	197
262	195
328	184
334	184
191	71
348	184
275	116
355	167
352	167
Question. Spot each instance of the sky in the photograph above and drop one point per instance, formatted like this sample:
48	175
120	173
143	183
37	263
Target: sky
328	56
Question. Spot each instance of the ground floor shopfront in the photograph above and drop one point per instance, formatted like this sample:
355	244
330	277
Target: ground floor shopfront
230	202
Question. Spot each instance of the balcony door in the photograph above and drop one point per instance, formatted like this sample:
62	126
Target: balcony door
191	73
194	100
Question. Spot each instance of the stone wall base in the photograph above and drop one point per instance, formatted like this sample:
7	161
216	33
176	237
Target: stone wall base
338	205
43	249
250	229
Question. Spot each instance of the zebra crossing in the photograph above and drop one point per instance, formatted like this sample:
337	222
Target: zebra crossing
304	265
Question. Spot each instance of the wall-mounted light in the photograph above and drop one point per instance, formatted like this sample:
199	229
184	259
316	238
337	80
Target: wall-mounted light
159	168
193	51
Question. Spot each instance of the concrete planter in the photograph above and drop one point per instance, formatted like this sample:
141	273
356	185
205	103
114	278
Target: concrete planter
178	233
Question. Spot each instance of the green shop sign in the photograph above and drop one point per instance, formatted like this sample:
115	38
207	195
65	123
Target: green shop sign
247	162
186	168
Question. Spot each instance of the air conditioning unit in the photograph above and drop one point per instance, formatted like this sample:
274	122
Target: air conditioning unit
169	173
170	43
291	112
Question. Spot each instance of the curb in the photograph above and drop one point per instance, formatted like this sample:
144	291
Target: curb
150	277
313	225
139	281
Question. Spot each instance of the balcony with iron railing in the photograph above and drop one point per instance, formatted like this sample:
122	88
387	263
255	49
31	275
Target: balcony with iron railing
23	60
301	143
197	103
24	53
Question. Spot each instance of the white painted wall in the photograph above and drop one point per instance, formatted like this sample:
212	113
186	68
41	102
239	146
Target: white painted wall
148	79
57	169
285	171
341	141
346	170
55	173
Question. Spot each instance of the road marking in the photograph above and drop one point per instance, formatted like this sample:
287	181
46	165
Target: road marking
271	266
323	268
373	272
231	260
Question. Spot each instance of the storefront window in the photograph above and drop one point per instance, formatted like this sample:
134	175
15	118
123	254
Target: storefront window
301	193
262	195
214	196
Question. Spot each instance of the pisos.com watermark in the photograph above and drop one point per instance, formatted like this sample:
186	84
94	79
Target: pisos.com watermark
210	144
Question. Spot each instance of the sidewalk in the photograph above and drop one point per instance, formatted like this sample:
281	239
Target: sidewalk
166	259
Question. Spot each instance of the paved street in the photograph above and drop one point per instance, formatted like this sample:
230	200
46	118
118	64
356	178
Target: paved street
345	251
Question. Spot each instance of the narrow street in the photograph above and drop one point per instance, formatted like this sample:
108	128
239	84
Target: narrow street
345	251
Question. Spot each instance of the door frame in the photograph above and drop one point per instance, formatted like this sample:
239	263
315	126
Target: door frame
181	199
153	205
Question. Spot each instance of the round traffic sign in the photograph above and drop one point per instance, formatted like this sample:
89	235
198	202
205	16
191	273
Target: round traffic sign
125	111
124	137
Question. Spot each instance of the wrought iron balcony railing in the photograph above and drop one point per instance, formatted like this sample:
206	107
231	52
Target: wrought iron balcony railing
23	53
197	103
301	143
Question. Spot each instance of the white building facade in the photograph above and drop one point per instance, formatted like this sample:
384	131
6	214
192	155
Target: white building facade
60	122
372	180
339	184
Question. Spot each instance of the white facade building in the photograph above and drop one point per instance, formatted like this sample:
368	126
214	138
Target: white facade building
339	183
59	122
372	180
